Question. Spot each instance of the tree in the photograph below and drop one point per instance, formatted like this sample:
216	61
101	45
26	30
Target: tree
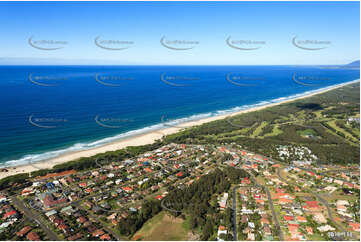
207	230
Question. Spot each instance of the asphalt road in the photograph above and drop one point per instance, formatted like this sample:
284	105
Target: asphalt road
274	215
234	214
35	217
323	201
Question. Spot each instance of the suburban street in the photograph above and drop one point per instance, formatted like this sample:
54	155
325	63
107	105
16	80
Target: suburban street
104	227
323	201
35	217
274	215
234	214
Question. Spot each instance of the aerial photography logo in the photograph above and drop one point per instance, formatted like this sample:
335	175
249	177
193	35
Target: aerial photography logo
243	80
113	44
239	121
46	122
102	163
174	207
37	203
112	80
112	122
107	166
47	44
310	80
176	44
46	80
247	45
169	123
178	80
312	45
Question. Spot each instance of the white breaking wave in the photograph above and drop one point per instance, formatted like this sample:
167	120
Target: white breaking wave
29	159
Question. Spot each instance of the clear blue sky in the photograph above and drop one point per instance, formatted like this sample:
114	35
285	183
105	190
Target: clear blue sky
209	23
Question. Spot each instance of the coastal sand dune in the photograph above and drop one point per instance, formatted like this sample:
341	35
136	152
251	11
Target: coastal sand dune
142	139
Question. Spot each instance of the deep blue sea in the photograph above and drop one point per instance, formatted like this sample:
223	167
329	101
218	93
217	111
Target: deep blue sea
49	110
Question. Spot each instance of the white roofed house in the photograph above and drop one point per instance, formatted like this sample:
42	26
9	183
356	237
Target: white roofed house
51	212
326	228
251	236
353	120
3	198
223	201
342	202
129	162
221	230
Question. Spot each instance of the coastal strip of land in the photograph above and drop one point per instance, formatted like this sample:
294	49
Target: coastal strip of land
141	139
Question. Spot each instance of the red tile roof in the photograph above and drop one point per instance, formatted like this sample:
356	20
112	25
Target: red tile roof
105	237
8	214
355	226
288	218
221	227
148	169
292	227
75	237
50	175
179	174
301	219
312	204
33	236
83	184
23	231
127	189
98	232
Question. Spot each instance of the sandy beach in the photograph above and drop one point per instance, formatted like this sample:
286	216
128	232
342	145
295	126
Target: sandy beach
142	139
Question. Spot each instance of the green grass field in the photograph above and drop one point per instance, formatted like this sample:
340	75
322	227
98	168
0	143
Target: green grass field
258	130
307	132
333	125
163	227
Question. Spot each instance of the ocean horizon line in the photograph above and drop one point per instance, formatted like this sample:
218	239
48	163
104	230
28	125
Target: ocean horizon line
179	65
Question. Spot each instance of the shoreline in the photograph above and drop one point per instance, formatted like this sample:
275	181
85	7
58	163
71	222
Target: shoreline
144	138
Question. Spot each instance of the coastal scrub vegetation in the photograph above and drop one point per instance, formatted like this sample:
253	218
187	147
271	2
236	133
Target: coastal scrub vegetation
323	116
193	202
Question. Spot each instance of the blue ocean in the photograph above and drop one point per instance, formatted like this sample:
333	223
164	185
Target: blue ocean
47	111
